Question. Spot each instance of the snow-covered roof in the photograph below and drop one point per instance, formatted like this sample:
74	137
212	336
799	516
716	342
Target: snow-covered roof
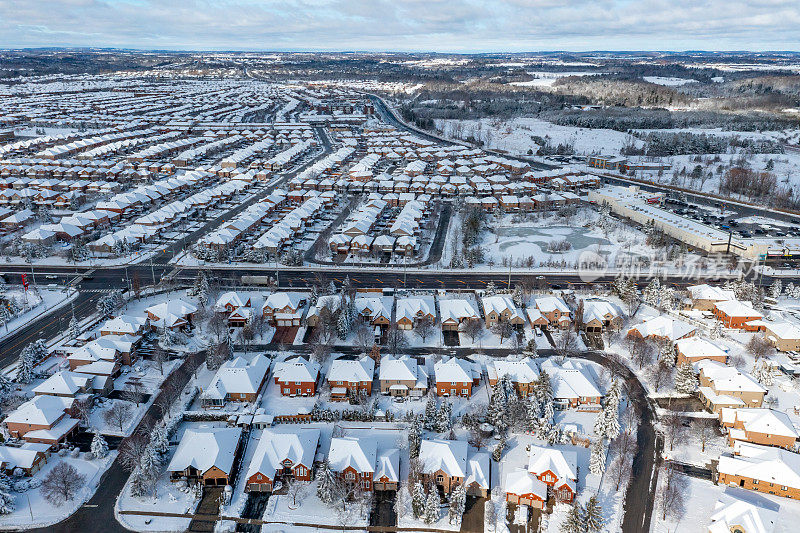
664	326
296	369
42	410
547	304
63	383
710	292
726	378
453	370
456	309
598	309
402	368
750	512
280	300
232	299
413	307
298	446
562	463
571	379
782	330
388	465
478	470
693	347
498	303
735	308
519	371
761	420
203	448
520	481
358	453
238	376
450	456
352	370
764	463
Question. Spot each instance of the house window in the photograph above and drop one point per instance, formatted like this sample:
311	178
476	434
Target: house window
287	391
350	476
464	391
301	471
755	482
297	383
440	479
784	488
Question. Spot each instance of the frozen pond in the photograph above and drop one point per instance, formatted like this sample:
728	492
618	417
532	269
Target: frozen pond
515	238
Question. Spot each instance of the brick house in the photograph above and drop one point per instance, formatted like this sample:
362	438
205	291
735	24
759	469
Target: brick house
761	468
236	380
455	377
759	426
43	419
693	349
350	375
557	469
281	456
522	373
449	463
296	376
724	386
735	314
206	456
402	376
354	460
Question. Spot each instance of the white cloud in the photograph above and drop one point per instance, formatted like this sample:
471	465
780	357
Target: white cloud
438	25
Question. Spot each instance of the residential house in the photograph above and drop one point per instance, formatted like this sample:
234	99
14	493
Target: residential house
784	336
523	488
499	308
523	373
172	314
449	463
454	312
737	510
763	426
206	456
296	376
558	469
554	310
284	309
663	329
350	375
693	349
124	325
236	380
736	314
410	310
28	458
281	456
354	460
402	375
725	386
704	297
455	377
761	468
43	419
574	384
599	314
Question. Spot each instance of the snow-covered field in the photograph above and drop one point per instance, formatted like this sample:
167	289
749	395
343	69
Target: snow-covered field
669	82
547	79
516	135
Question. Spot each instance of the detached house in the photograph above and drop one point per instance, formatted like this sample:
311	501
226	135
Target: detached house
599	314
454	312
523	488
735	314
206	456
402	376
662	328
281	456
573	384
759	426
449	463
409	311
296	376
522	373
374	310
173	314
761	468
724	386
500	308
354	460
284	309
236	380
350	375
455	377
557	469
43	419
704	297
554	310
693	349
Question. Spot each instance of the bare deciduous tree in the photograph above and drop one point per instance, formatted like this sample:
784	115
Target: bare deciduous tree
62	483
502	329
117	415
673	428
705	429
619	470
296	490
659	374
396	339
672	494
424	328
365	338
473	327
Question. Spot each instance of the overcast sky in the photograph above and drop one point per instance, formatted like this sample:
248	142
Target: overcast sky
404	25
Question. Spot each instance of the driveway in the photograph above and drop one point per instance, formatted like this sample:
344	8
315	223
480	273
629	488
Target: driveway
472	522
383	512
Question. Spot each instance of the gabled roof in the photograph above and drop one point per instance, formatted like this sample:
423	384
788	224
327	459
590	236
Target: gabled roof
709	292
456	309
546	304
498	303
761	420
520	481
700	347
519	371
453	370
735	308
403	368
64	382
750	511
564	464
296	369
663	326
42	410
358	453
571	380
238	376
279	300
411	307
450	456
352	370
764	463
299	446
478	470
728	379
231	298
203	448
388	465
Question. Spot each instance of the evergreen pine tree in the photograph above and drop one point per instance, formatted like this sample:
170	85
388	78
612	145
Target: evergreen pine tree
418	500
74	329
592	516
414	437
458	503
444	419
99	446
432	506
776	289
6	387
27	362
326	482
159	441
685	380
597	458
431	415
6	498
652	293
574	521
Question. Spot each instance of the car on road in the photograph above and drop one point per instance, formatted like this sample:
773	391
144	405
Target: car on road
51	276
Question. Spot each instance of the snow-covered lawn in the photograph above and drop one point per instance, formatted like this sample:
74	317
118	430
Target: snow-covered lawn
308	509
34	304
32	509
